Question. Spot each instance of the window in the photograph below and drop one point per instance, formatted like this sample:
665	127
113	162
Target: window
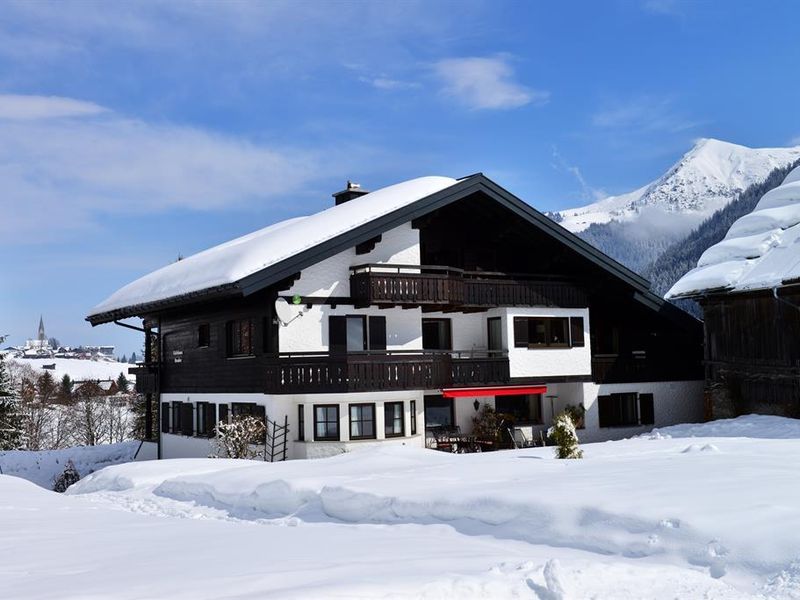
538	332
186	421
326	422
618	410
251	409
240	337
356	333
223	413
524	408
206	419
203	335
437	334
495	333
413	411
393	419
362	421
301	423
439	412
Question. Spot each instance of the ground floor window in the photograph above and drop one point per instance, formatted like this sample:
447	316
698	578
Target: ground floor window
524	408
618	410
206	419
394	420
439	412
326	422
413	411
362	421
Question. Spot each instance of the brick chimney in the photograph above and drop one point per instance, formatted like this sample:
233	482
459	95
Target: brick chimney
351	190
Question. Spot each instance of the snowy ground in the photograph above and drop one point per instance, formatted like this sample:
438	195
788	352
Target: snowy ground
44	466
666	515
78	369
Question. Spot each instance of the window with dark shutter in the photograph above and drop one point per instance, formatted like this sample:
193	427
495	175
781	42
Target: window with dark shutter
413	410
520	332
576	330
223	413
647	413
618	410
187	419
165	420
377	333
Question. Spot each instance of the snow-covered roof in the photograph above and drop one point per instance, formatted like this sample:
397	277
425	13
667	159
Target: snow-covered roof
234	260
760	251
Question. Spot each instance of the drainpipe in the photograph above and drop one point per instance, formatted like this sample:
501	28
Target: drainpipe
784	300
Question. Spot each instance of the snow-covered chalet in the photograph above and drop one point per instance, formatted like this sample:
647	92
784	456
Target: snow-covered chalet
400	312
749	287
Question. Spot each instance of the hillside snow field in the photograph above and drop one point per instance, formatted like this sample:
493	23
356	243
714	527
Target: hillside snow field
77	369
697	511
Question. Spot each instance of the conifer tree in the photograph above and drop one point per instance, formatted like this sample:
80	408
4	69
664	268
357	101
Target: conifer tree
564	436
123	385
11	423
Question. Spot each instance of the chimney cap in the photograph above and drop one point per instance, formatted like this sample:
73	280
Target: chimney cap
350	191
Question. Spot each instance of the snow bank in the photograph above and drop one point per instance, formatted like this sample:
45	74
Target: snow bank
77	369
44	466
230	262
760	251
720	504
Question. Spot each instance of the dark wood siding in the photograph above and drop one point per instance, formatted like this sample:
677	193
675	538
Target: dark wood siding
753	353
189	368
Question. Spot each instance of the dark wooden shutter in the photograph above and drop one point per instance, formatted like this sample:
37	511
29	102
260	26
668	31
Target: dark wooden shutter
647	412
520	332
377	333
337	335
165	420
605	409
211	418
223	413
187	418
176	417
576	331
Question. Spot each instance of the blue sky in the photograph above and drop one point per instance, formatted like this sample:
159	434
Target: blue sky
131	133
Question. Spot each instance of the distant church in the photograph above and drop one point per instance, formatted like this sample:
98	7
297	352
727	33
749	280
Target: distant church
40	347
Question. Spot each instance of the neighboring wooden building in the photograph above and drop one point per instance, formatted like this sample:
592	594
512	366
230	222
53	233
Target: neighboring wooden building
401	311
749	288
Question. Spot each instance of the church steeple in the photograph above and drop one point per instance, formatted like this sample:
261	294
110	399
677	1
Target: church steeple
42	337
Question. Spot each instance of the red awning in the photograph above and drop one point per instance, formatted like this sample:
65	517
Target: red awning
513	390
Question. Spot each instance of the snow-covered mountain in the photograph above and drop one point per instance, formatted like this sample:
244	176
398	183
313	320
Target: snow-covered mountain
704	180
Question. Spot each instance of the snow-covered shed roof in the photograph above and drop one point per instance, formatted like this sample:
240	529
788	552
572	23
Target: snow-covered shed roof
760	251
276	253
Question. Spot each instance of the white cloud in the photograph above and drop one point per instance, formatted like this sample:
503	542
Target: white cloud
59	174
18	107
795	141
387	83
485	83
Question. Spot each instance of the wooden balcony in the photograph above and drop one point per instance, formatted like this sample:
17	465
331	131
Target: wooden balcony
628	369
384	371
146	378
441	288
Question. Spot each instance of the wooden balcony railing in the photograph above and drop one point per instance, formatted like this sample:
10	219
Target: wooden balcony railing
627	369
383	371
415	285
146	377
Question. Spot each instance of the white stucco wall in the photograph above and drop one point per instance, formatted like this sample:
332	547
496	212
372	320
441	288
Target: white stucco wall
331	277
546	362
